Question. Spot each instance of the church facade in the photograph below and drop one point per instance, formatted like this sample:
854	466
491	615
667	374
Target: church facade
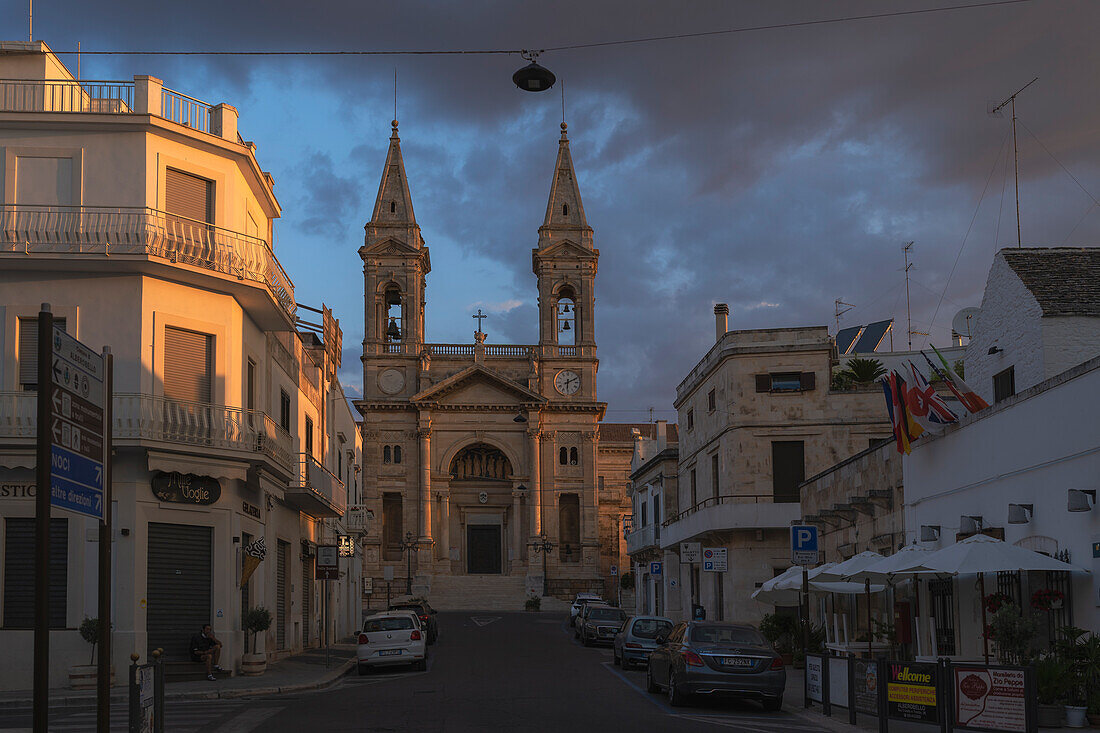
483	465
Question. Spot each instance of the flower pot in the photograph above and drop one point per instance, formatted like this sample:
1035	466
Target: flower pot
1056	604
1050	716
253	665
84	676
1075	716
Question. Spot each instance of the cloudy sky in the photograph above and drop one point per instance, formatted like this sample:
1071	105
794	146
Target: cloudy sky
775	170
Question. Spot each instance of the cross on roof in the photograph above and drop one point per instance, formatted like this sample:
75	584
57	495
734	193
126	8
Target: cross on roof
479	316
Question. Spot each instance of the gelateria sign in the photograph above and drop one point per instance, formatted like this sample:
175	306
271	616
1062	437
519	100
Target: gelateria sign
186	488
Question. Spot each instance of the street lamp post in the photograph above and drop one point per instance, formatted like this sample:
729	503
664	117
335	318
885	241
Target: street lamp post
545	546
409	545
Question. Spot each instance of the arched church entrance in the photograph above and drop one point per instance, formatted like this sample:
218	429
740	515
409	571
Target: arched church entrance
481	483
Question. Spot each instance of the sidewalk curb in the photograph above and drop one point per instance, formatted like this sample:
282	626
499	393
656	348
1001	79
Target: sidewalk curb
328	679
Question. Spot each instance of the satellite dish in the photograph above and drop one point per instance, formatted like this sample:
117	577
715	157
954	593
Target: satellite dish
965	322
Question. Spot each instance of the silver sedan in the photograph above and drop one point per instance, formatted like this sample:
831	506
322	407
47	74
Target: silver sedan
638	638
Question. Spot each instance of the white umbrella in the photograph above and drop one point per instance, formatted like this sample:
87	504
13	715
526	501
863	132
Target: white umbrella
770	593
850	566
892	567
981	554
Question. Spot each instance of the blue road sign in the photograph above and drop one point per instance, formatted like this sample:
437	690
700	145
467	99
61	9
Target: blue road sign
655	568
76	497
76	468
804	544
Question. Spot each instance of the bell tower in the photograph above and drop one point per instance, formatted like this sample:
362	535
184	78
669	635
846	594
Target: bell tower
395	266
565	265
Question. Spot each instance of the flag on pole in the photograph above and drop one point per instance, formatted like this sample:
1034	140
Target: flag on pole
906	429
968	397
927	408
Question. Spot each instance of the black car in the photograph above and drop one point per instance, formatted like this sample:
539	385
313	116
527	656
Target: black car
426	614
600	624
714	658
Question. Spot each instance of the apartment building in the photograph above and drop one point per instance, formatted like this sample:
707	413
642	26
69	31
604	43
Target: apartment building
653	496
145	220
756	415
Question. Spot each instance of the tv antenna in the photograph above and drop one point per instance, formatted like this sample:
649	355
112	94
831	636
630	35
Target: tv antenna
996	112
839	309
908	314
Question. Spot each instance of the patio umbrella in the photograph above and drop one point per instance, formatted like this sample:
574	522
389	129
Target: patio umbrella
852	565
895	567
981	554
770	593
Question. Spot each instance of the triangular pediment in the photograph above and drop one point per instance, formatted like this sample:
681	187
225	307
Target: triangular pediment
565	248
478	385
390	246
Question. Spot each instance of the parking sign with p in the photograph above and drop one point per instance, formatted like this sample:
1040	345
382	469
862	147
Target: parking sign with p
803	544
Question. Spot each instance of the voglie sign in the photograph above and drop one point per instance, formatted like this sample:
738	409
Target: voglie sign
186	488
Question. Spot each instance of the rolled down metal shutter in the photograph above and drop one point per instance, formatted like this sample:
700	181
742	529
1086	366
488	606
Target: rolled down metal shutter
281	605
28	350
187	365
188	196
178	590
307	597
19	572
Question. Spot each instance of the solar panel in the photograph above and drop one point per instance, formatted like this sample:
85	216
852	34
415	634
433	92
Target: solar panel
845	337
872	336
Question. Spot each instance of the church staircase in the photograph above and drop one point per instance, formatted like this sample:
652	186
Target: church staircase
483	593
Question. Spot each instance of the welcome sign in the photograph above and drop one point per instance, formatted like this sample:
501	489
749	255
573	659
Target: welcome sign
911	691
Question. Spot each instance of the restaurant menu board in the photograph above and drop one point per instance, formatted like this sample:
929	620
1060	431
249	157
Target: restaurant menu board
865	680
911	691
990	698
814	677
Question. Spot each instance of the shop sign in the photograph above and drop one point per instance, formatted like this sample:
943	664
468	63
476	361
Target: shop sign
690	552
911	691
990	698
815	677
346	545
186	488
250	509
16	491
865	681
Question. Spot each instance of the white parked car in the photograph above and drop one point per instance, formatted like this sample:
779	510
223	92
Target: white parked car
392	638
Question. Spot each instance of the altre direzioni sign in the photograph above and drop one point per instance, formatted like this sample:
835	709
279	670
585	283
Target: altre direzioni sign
186	488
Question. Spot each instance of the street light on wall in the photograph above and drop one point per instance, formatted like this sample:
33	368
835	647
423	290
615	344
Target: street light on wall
1081	500
1020	513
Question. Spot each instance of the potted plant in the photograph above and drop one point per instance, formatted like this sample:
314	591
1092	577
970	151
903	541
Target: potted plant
1014	634
1047	599
1071	648
533	603
256	620
83	676
1050	683
779	630
626	581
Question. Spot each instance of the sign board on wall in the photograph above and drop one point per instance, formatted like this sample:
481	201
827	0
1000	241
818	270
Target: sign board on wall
654	568
715	559
990	698
328	562
368	586
187	488
690	552
911	691
76	427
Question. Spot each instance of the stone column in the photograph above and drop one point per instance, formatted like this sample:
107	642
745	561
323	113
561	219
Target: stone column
425	495
590	523
536	481
517	528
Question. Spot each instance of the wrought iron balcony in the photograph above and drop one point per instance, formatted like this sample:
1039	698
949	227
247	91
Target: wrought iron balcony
109	231
319	492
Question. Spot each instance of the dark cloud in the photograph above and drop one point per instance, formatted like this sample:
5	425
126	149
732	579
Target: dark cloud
776	171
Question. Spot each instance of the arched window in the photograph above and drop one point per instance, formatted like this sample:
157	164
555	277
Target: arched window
393	326
563	456
385	454
393	207
565	209
397	454
573	456
566	317
569	527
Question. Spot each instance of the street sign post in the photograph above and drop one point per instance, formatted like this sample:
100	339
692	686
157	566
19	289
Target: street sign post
715	559
803	544
655	568
328	562
76	426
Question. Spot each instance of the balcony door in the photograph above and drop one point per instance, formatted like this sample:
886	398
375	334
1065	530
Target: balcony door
188	385
189	202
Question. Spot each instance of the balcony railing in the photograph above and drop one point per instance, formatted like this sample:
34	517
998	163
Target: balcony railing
97	230
319	492
727	512
185	110
110	97
642	538
147	417
719	500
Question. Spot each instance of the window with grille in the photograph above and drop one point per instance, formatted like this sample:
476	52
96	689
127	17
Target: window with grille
28	351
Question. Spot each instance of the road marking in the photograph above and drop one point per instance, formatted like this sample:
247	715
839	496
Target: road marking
484	620
248	719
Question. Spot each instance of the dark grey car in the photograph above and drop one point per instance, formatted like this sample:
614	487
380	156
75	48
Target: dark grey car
714	658
599	624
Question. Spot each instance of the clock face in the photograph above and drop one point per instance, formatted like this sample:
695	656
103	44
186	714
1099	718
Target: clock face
567	382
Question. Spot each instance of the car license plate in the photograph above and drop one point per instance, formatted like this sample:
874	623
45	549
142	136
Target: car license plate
389	652
738	661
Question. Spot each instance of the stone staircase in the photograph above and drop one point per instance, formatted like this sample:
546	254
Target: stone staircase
483	593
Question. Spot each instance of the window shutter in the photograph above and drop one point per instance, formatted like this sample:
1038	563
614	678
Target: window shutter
187	366
808	380
188	196
763	383
28	350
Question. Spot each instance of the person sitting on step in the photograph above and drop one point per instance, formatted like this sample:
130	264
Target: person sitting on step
205	647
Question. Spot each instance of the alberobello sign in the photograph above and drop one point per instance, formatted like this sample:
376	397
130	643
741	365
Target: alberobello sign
186	488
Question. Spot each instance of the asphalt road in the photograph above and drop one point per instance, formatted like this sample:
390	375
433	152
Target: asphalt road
513	672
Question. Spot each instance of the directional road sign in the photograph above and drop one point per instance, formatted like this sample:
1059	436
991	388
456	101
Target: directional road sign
328	563
715	559
689	552
803	544
76	427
